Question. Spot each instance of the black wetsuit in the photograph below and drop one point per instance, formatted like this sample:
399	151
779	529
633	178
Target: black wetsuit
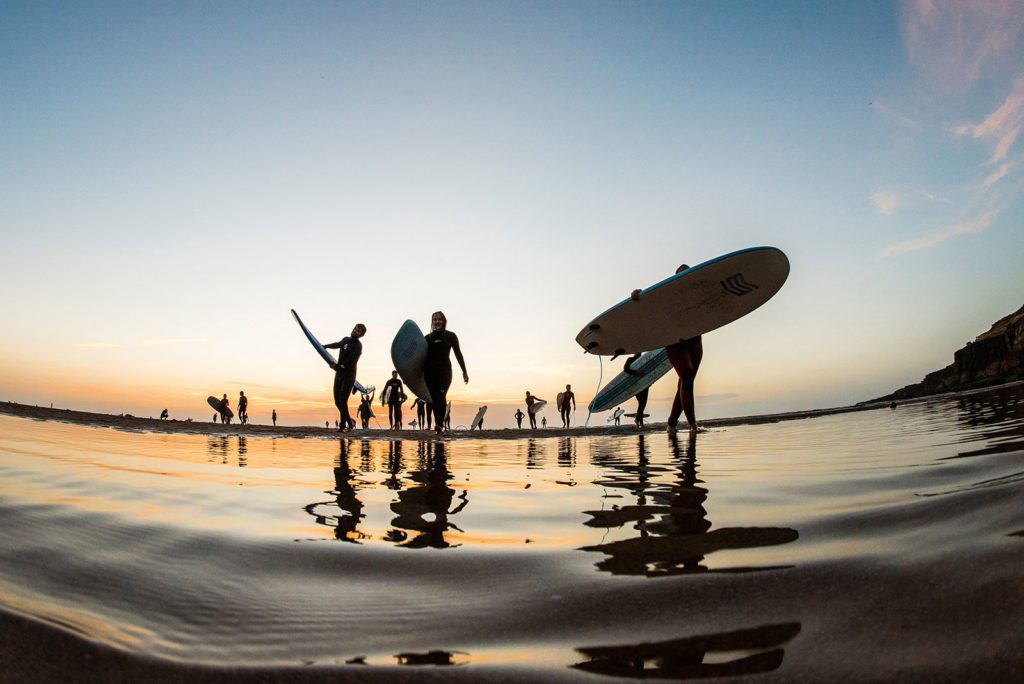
641	396
349	351
437	371
394	402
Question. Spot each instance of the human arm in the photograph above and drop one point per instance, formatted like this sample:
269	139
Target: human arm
458	356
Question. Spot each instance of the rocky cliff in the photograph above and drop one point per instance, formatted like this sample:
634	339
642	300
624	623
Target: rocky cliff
994	357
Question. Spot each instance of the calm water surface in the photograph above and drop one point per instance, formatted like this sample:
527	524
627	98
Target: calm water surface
869	545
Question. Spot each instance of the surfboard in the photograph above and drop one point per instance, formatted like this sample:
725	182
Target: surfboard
408	354
219	408
693	302
536	406
558	400
617	414
633	415
387	395
623	387
478	419
326	355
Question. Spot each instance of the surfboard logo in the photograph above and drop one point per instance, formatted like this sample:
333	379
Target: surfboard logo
737	285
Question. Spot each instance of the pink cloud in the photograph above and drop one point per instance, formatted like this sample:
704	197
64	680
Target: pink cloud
956	42
1003	126
975	225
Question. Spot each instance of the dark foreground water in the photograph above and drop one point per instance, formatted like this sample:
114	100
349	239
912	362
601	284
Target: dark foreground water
865	546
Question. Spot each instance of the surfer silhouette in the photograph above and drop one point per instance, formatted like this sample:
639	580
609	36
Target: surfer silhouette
349	351
530	401
685	357
519	417
437	371
243	408
392	394
421	413
225	406
568	398
365	410
273	417
641	396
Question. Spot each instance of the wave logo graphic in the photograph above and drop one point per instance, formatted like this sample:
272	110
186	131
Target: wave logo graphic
738	285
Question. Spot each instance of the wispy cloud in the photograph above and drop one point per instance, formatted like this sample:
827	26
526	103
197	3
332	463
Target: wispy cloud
1003	126
956	42
974	225
886	202
98	345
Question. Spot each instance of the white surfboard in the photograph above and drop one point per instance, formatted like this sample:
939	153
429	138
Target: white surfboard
687	304
558	400
408	354
623	387
616	415
536	406
478	419
324	354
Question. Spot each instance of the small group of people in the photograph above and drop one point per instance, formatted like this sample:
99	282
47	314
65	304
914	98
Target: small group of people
224	411
684	355
437	373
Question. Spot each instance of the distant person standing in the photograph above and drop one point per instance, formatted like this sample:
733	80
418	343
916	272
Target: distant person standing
225	406
641	396
243	408
568	399
349	350
421	410
437	371
519	417
685	357
273	417
365	410
544	422
394	394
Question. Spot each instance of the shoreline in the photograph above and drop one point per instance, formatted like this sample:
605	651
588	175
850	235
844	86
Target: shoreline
155	425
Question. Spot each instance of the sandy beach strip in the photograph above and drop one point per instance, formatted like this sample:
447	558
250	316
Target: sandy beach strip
129	422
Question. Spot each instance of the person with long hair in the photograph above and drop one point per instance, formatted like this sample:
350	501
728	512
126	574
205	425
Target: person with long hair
437	371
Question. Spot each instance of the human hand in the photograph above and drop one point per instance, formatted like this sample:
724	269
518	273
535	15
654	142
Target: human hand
465	378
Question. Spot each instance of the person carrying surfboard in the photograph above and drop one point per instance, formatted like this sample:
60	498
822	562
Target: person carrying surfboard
225	410
685	356
437	370
568	399
392	395
641	396
530	401
349	350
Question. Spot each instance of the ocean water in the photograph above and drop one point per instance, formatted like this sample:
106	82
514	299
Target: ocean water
877	545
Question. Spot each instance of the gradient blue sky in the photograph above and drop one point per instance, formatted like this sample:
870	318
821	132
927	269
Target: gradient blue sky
178	175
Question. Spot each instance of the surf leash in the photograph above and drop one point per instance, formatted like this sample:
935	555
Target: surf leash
600	378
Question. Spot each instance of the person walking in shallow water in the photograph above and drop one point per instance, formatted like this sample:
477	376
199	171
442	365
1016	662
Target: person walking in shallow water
641	396
393	394
225	406
685	357
530	401
349	350
568	398
437	371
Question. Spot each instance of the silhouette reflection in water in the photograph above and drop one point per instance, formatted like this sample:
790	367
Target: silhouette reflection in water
726	654
350	508
424	508
671	520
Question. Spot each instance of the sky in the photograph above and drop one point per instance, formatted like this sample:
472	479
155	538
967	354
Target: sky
177	176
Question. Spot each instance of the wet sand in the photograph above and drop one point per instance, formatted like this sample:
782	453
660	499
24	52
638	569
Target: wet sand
600	427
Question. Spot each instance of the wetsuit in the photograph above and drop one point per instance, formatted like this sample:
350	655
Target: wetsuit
437	371
568	399
641	396
345	377
243	409
685	357
519	418
394	402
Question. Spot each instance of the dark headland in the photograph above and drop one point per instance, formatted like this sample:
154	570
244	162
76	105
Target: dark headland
995	357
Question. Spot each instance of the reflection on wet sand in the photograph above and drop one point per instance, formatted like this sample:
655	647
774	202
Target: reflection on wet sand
672	521
998	415
218	448
350	508
424	508
726	654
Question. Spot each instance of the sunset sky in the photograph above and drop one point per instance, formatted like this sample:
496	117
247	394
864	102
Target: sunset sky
176	176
